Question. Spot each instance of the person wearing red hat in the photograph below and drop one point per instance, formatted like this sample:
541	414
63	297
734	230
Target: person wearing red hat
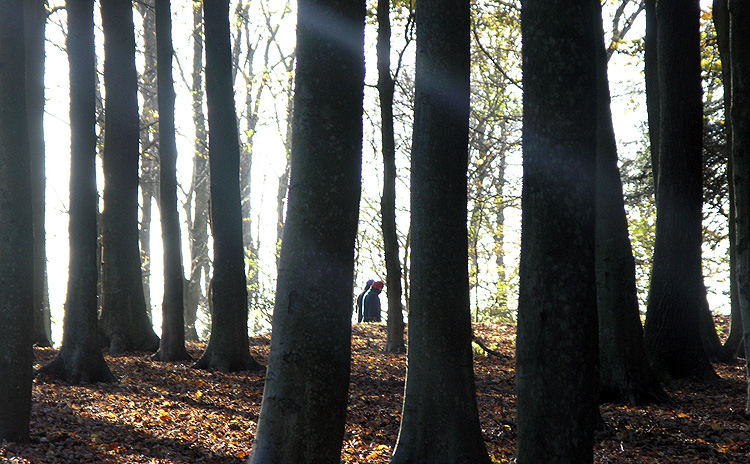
371	302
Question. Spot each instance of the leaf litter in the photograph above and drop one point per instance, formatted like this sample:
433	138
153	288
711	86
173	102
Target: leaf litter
164	413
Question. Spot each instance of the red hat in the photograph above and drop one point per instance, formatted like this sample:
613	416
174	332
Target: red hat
379	285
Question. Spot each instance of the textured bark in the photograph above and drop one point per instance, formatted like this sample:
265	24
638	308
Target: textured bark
651	72
721	23
440	420
124	321
557	343
35	16
198	216
16	232
395	340
228	348
625	374
172	344
739	15
80	360
303	414
677	294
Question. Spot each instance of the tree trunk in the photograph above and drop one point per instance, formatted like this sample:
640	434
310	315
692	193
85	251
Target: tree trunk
228	348
651	72
739	15
35	17
80	360
557	344
124	321
677	293
721	23
440	421
149	137
303	414
625	374
395	339
172	345
16	232
198	216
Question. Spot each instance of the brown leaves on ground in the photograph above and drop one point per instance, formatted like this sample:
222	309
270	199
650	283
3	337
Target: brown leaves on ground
170	413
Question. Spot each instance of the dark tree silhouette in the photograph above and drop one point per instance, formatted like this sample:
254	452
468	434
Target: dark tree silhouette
79	358
16	232
124	321
557	343
739	49
624	371
35	15
304	401
395	340
172	345
440	421
677	294
228	348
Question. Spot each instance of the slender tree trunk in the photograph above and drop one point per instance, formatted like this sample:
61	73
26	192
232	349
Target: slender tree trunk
303	414
624	371
651	72
395	340
228	348
557	344
80	360
16	232
721	23
677	294
739	19
172	345
149	136
35	16
124	320
198	219
440	420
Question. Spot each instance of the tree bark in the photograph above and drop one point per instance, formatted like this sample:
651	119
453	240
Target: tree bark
395	339
557	343
16	232
80	360
198	216
440	422
625	374
172	345
677	294
739	15
303	414
35	16
124	321
651	72
228	348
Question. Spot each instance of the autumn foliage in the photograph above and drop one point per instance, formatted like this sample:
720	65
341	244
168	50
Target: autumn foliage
169	413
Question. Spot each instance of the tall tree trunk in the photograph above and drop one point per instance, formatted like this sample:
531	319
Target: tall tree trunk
625	374
395	339
80	360
677	294
35	16
198	216
739	49
16	232
149	137
172	345
228	348
124	320
283	185
440	421
651	72
557	344
303	414
721	23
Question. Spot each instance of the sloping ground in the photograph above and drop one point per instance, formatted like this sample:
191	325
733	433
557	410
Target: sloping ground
169	413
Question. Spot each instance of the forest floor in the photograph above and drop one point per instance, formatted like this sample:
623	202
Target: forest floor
170	413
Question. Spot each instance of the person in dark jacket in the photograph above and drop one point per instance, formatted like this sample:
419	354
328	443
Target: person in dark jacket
371	302
360	314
